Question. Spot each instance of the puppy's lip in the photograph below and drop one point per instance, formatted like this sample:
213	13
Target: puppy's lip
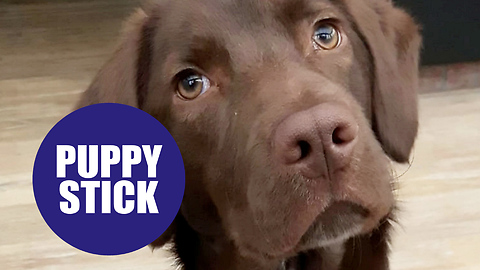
338	222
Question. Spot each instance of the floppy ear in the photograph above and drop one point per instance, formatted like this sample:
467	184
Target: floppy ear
394	42
123	79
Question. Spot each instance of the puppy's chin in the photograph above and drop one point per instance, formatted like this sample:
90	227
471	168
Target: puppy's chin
339	222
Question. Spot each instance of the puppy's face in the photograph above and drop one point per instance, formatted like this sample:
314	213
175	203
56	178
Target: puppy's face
286	113
253	92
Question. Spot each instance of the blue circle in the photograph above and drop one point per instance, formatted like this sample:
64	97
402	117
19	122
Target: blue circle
110	127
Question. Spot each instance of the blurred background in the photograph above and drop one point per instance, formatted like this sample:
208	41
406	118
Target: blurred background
51	49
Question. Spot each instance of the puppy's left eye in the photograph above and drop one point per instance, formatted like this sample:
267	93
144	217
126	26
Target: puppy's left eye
326	36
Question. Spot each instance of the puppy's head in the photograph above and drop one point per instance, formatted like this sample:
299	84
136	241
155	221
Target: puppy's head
286	112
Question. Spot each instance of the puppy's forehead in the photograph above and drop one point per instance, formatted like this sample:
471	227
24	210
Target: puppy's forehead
244	31
224	15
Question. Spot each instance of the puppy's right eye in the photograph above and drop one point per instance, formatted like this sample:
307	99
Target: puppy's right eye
191	84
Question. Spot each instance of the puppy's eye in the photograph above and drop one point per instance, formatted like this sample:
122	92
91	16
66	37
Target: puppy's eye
191	84
326	36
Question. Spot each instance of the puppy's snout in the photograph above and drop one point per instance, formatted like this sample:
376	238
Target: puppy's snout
316	141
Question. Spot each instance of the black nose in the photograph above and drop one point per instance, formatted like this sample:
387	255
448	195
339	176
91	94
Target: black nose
316	140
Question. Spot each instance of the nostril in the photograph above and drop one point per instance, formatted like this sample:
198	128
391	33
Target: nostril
305	149
337	136
342	135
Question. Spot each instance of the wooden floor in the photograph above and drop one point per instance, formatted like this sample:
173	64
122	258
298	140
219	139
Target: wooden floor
48	55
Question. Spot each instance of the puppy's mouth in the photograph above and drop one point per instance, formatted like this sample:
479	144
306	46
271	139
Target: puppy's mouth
340	221
324	244
327	237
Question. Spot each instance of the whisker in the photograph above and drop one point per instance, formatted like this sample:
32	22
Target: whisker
410	163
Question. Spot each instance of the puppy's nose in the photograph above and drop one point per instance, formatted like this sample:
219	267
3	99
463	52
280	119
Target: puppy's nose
316	141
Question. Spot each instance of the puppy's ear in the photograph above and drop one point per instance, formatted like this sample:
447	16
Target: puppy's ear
124	78
394	42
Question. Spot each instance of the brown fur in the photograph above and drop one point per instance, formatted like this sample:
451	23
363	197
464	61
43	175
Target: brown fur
243	207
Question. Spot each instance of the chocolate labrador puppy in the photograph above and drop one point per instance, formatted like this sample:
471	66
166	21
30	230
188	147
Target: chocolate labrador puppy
287	113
